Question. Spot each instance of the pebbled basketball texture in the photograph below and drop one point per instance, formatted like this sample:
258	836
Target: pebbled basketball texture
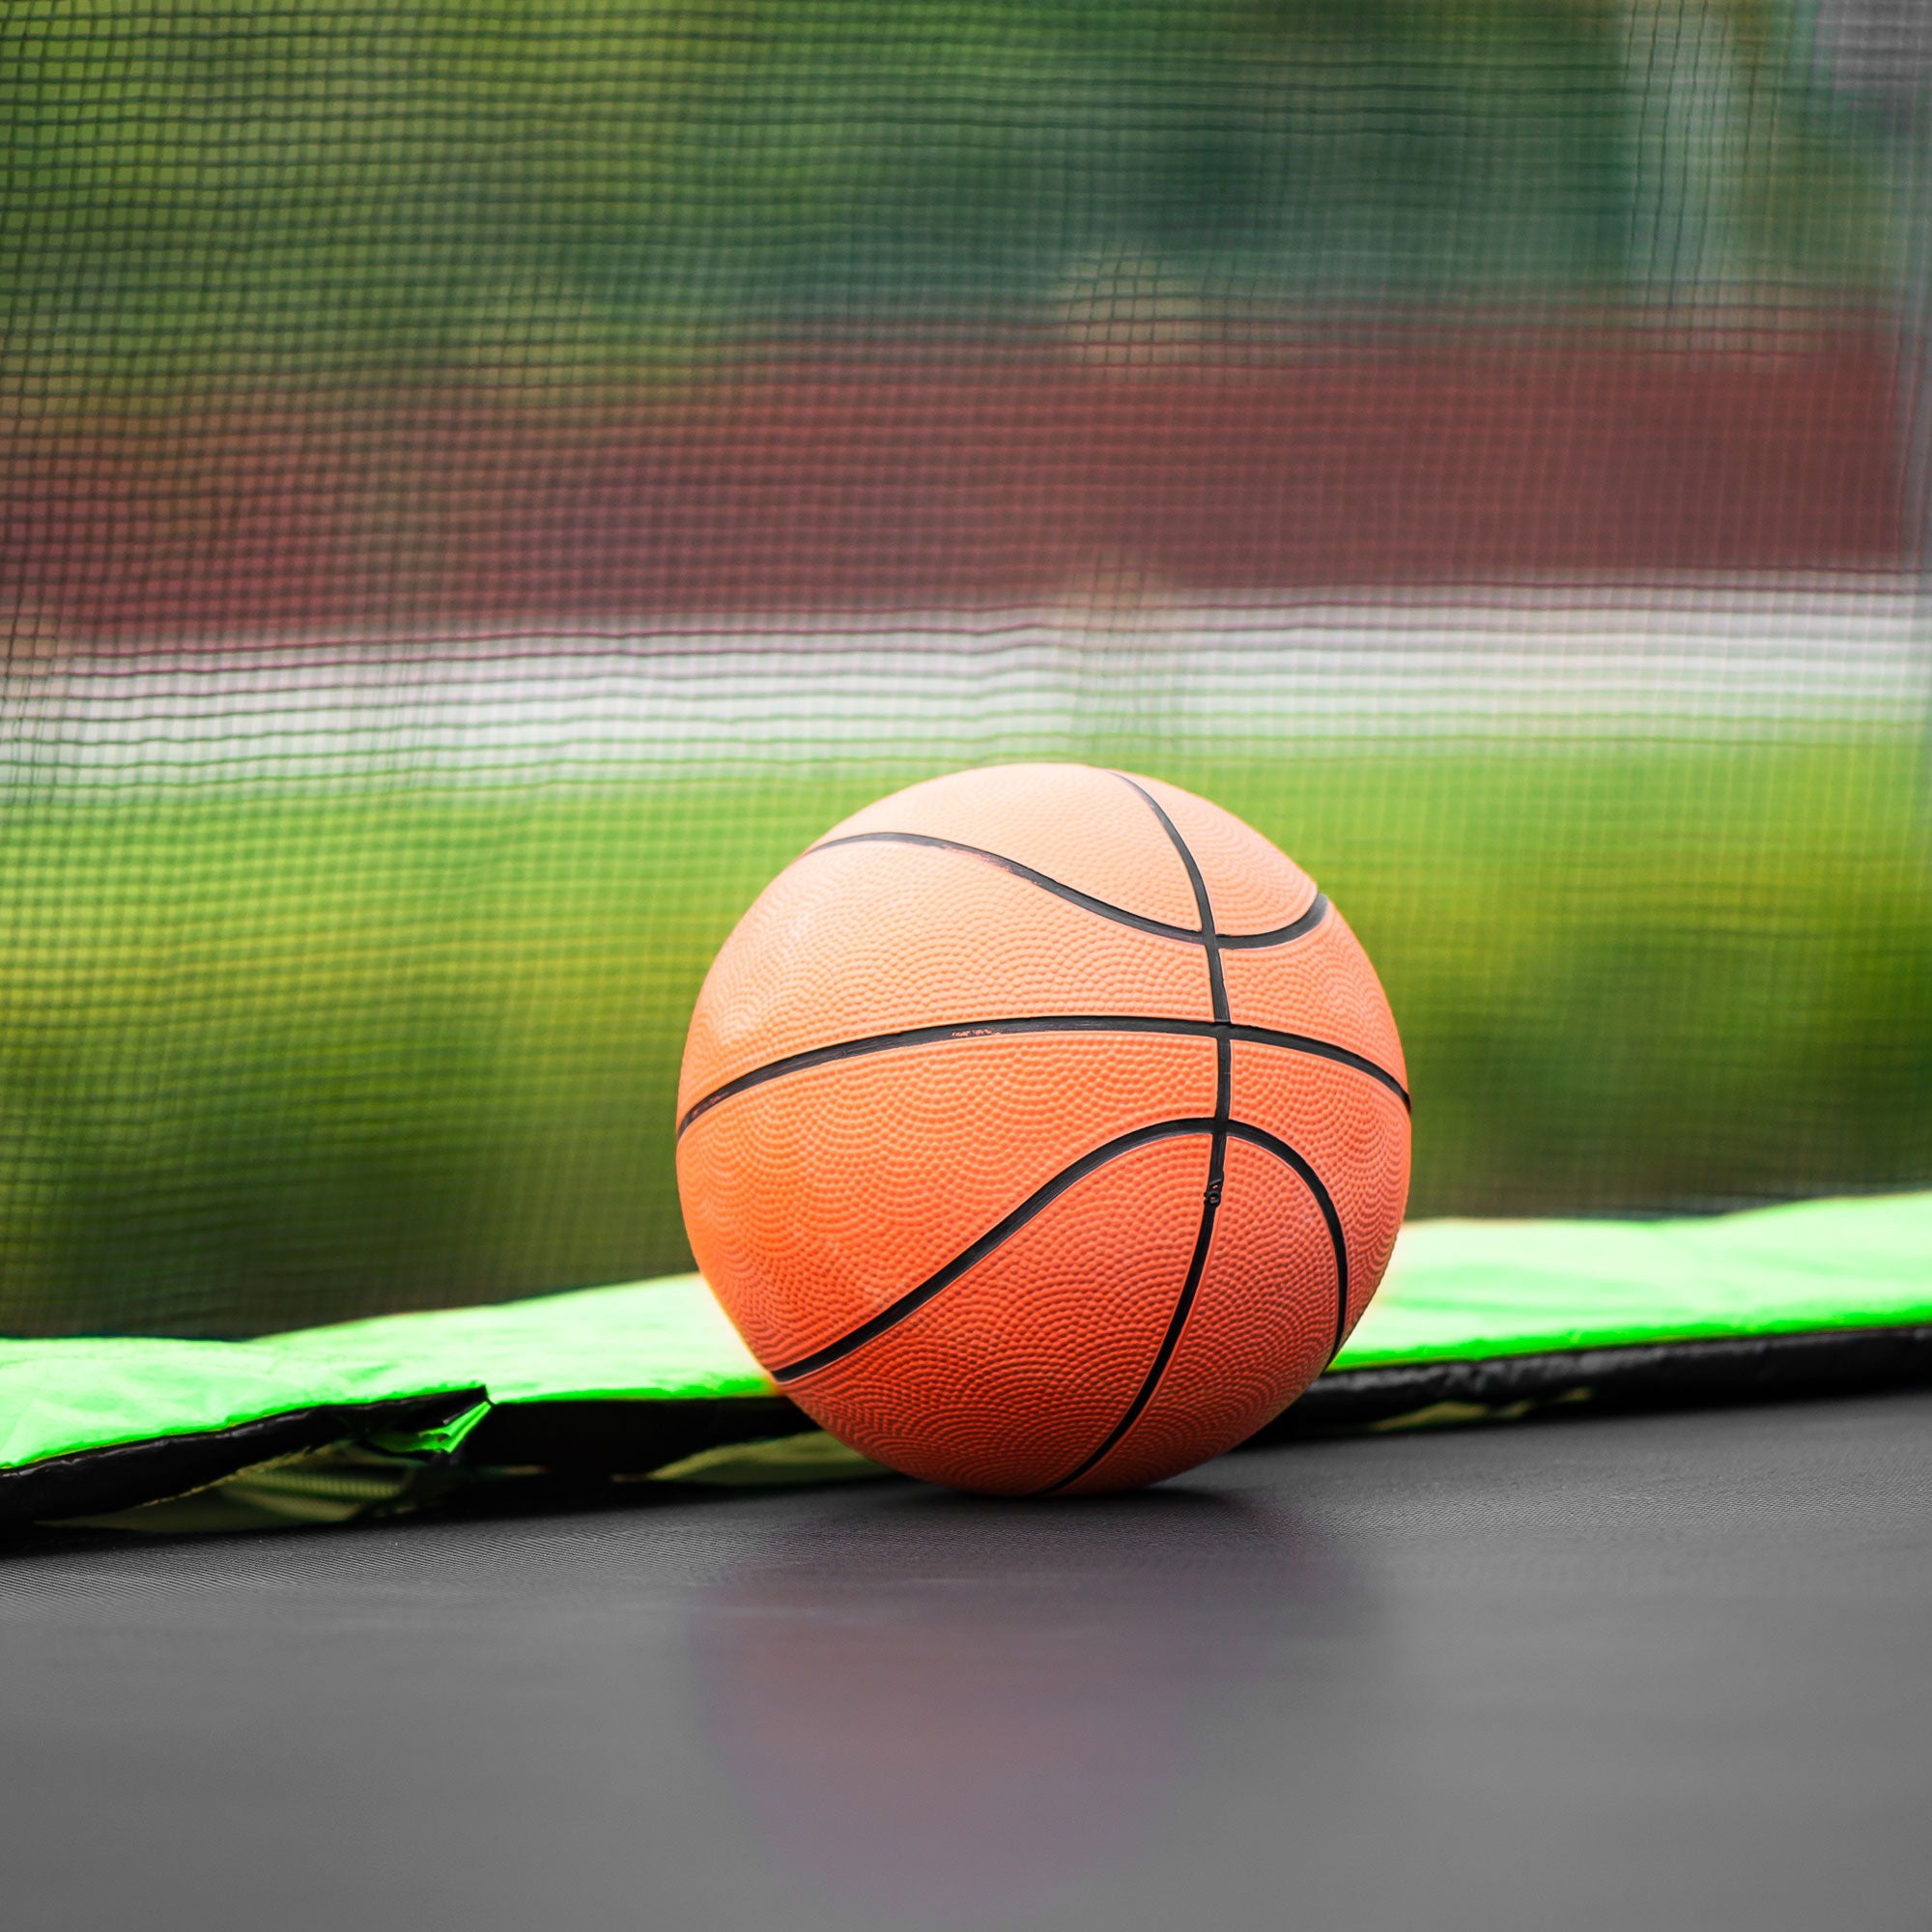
1043	1131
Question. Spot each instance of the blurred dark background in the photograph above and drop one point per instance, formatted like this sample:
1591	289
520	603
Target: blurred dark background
350	315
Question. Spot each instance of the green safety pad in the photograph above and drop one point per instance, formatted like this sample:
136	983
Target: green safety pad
1470	1289
1475	1319
648	1341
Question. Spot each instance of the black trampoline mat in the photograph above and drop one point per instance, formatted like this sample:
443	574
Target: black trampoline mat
1652	1671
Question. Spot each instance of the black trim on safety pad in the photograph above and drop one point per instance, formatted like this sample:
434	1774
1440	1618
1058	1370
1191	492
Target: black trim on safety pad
607	1435
123	1475
1726	1370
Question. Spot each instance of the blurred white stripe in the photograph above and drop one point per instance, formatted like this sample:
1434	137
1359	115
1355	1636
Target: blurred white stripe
953	688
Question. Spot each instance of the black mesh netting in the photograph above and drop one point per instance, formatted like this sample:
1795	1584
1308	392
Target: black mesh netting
484	484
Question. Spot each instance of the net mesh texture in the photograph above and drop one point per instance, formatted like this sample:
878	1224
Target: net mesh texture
485	485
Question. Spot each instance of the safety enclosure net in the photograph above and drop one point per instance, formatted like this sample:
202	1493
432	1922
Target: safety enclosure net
485	485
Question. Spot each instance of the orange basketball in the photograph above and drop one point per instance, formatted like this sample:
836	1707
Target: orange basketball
1042	1131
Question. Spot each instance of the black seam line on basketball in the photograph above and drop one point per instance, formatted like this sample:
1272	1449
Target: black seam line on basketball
1058	1023
995	1237
1217	1156
1170	1341
1317	911
1210	935
1184	1303
1002	1231
1259	1137
1211	940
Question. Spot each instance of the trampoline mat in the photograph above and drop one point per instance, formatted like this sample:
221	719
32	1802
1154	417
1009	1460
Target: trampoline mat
1598	1672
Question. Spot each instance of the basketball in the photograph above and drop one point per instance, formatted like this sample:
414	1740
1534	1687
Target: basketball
1043	1131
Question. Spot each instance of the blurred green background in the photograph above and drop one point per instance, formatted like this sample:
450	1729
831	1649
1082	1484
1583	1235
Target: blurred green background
254	188
288	1058
281	1051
